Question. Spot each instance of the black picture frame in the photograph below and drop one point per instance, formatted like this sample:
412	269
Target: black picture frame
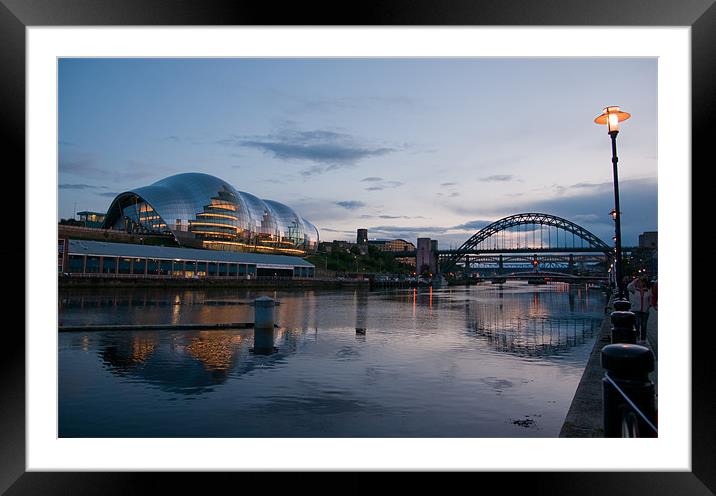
16	15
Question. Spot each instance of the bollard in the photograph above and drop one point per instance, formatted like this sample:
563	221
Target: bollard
623	330
628	365
263	325
622	305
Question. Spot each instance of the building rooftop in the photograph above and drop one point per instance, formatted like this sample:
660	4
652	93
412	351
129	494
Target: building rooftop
384	240
89	212
101	248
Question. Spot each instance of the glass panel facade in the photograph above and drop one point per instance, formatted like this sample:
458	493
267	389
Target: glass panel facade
153	266
205	211
76	264
138	265
92	265
124	265
109	265
177	268
165	267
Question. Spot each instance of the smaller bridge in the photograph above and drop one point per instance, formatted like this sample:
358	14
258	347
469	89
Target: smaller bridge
547	277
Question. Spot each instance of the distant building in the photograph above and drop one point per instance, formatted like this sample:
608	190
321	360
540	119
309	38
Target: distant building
406	260
392	245
83	257
203	211
338	245
649	240
91	219
427	255
362	236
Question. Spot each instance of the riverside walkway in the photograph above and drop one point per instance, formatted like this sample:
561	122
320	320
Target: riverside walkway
585	415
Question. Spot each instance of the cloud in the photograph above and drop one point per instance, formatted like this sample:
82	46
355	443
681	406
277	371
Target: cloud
87	165
371	179
387	216
498	178
80	164
454	194
108	194
80	186
350	204
407	230
592	185
585	218
448	184
325	147
473	225
385	185
337	230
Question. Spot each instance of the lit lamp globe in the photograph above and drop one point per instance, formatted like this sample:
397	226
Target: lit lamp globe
612	116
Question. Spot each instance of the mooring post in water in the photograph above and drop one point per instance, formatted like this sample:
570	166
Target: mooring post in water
361	311
623	320
628	397
263	325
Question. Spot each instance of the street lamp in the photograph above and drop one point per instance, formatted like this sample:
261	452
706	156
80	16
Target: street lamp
612	116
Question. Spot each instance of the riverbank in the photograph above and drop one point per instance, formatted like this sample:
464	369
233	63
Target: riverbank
113	282
585	415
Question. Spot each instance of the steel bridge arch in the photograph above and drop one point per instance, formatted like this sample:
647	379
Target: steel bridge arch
521	219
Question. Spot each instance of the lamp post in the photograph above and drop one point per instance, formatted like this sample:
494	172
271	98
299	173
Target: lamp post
612	116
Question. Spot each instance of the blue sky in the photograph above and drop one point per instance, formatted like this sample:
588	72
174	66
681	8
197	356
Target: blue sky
404	147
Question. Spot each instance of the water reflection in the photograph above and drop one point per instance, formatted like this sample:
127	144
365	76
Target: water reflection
188	362
361	299
538	324
454	361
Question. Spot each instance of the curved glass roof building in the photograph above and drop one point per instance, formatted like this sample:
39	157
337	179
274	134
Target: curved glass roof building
201	210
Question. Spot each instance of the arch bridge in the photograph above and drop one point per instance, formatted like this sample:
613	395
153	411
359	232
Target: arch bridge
537	239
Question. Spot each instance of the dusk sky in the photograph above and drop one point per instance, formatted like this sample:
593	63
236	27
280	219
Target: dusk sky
404	147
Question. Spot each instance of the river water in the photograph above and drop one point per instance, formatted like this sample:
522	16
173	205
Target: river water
479	361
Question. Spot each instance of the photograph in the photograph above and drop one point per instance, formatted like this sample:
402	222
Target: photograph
455	247
407	238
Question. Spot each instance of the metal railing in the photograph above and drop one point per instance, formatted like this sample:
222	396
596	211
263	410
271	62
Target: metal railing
629	423
628	394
